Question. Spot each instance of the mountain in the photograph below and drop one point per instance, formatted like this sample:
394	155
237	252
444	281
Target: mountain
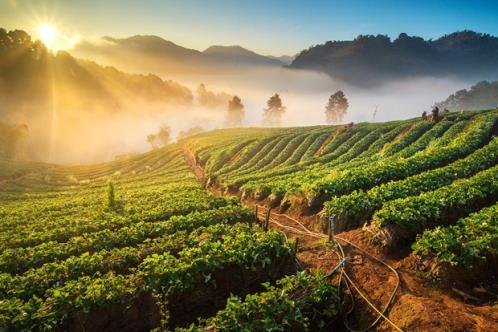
145	53
238	54
286	59
30	72
369	59
483	95
38	88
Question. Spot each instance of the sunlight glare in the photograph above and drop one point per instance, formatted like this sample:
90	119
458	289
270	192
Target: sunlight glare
48	35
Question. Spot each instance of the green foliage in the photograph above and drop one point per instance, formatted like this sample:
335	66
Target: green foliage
435	207
65	254
336	107
111	200
481	95
360	205
299	302
387	170
241	248
473	241
376	169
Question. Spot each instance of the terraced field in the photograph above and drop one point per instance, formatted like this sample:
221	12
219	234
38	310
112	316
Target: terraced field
72	257
407	180
160	239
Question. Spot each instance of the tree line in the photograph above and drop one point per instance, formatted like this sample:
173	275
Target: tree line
335	110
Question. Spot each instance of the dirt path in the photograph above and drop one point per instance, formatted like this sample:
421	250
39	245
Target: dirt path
327	141
417	306
196	169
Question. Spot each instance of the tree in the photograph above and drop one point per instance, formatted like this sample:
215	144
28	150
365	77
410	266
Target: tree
274	111
211	99
336	107
190	132
162	138
164	135
151	139
483	95
235	112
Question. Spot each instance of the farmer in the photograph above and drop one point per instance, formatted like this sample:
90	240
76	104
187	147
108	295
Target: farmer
435	114
424	115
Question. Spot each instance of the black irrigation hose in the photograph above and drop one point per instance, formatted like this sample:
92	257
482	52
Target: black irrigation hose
347	280
298	263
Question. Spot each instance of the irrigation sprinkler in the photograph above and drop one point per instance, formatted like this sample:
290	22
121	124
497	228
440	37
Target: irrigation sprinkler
296	247
267	218
331	229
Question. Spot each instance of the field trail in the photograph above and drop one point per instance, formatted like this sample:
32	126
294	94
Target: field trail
418	305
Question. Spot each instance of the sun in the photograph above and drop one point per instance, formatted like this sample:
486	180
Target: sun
48	35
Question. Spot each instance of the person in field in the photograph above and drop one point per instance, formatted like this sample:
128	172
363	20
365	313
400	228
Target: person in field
435	114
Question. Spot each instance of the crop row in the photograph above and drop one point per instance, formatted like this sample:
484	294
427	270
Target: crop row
345	182
300	302
118	260
358	155
410	216
19	260
195	267
246	155
305	149
426	138
472	242
266	156
365	147
360	205
222	156
60	227
285	153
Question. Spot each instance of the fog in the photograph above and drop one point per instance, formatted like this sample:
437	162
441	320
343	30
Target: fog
76	136
305	95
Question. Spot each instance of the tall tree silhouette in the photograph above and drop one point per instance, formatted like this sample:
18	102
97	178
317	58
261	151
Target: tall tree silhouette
160	139
336	107
235	112
164	135
274	111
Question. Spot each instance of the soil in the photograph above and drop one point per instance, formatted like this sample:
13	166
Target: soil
419	304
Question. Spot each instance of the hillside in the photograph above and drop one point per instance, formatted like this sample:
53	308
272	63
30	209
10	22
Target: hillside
29	71
369	60
480	96
159	239
58	95
163	56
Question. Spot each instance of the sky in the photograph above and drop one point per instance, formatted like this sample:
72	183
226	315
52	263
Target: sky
268	27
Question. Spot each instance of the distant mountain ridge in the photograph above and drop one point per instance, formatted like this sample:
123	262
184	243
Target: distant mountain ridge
30	70
38	86
237	53
370	59
160	55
